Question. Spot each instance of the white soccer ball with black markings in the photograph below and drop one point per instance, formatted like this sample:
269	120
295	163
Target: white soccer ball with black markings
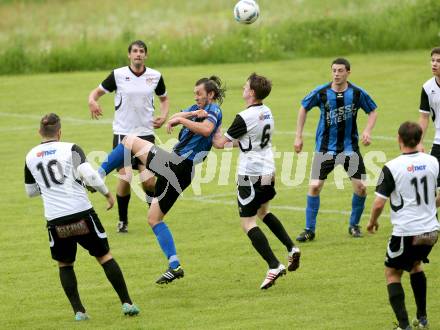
246	11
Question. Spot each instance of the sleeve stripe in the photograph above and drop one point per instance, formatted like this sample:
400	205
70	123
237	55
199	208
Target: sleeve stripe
425	111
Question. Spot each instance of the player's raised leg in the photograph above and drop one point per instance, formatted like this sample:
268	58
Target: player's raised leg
280	232
131	146
261	244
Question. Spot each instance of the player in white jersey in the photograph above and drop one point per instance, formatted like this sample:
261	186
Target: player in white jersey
58	172
410	182
134	86
430	104
252	132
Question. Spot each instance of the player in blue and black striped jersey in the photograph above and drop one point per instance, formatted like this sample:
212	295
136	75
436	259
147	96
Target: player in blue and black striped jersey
175	170
336	141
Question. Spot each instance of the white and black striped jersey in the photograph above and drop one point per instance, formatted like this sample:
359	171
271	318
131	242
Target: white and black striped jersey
134	99
52	166
430	103
410	181
253	128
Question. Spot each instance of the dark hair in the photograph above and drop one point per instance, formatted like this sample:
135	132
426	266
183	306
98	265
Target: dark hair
435	50
213	84
410	133
138	43
260	85
50	124
343	61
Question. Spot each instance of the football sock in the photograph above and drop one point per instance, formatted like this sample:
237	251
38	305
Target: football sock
114	159
357	207
114	275
397	300
261	244
312	211
70	286
277	228
418	284
166	242
123	207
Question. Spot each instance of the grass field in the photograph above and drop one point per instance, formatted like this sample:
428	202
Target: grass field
340	284
61	36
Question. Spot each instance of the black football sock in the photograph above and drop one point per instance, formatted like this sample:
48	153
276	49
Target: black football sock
397	300
123	207
277	228
418	284
70	286
261	244
114	275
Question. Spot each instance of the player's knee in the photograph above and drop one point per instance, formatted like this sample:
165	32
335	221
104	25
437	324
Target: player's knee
315	189
262	213
152	220
417	268
103	259
361	190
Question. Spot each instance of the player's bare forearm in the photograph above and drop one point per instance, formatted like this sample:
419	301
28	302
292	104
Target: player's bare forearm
424	123
94	107
164	107
376	211
372	117
203	128
302	115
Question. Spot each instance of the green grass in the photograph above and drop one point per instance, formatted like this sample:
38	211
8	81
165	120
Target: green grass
340	284
59	36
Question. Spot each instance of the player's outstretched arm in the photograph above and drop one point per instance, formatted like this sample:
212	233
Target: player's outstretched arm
94	107
298	144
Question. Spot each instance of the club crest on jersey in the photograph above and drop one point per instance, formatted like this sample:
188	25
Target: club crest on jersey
46	153
149	81
413	168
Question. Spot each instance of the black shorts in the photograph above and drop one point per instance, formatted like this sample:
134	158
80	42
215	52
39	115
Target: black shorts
402	254
435	151
324	163
134	161
83	228
174	174
254	191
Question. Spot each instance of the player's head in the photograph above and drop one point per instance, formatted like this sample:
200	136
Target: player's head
410	134
257	88
50	126
137	53
340	70
208	90
435	61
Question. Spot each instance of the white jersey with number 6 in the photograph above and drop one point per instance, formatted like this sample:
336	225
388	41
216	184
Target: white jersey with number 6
52	166
253	128
410	181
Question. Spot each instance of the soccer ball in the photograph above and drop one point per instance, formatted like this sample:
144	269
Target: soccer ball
246	11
